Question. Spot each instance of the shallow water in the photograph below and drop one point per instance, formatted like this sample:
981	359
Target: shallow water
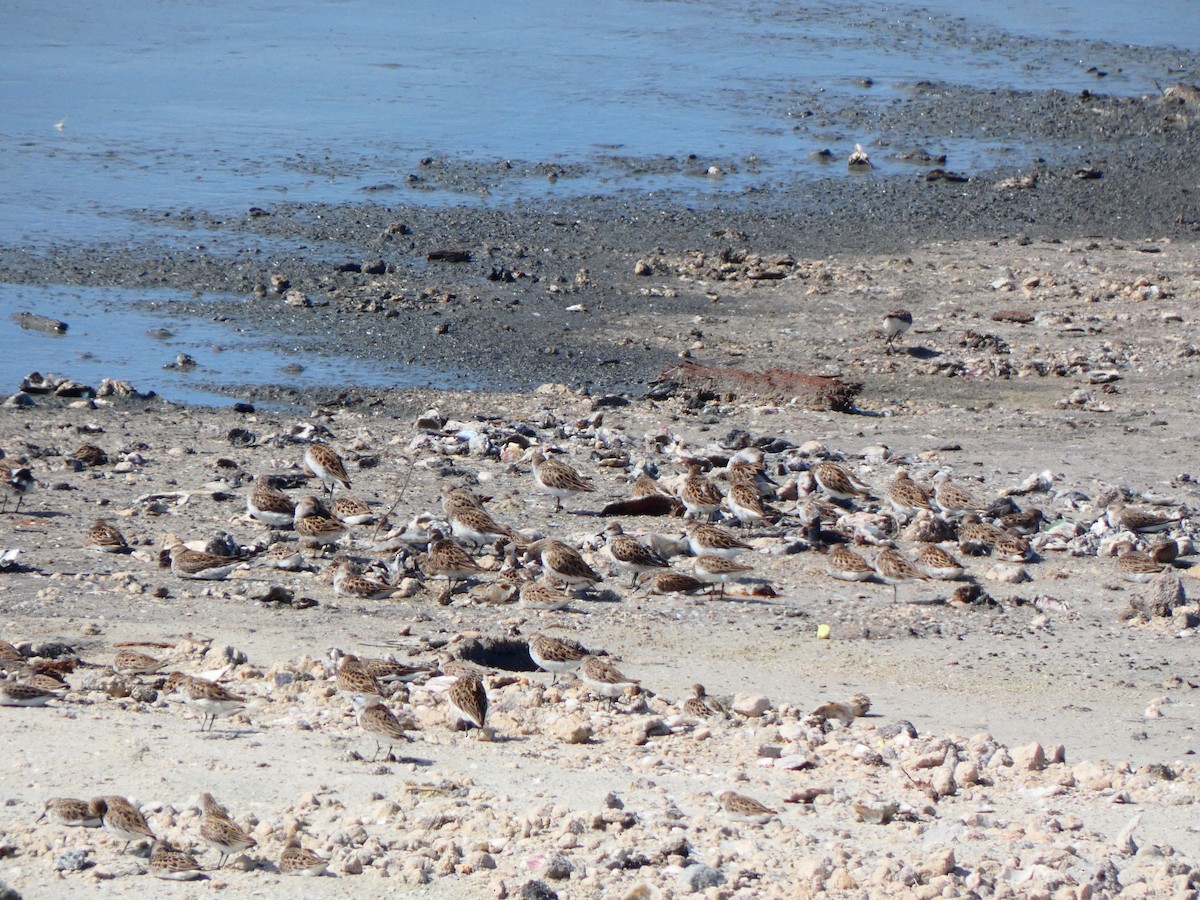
117	116
225	105
133	335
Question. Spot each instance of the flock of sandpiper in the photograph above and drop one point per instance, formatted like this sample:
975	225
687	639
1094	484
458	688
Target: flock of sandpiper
833	508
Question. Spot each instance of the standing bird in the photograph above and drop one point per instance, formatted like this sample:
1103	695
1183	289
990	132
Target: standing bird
325	464
446	559
894	569
557	478
838	483
17	480
713	540
312	524
213	700
378	721
895	323
719	570
219	831
563	563
122	820
630	554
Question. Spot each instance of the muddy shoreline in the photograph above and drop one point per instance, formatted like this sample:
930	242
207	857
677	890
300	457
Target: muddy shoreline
549	291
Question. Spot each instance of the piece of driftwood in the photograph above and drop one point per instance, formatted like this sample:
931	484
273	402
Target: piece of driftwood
34	322
455	256
819	392
654	505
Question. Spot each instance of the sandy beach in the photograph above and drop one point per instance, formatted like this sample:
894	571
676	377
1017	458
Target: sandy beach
1026	730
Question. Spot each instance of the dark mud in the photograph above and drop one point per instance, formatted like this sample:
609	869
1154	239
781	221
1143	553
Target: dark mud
502	319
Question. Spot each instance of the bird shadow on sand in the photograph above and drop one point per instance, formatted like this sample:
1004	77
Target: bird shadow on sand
923	352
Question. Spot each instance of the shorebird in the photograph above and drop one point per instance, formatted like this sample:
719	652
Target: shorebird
906	496
173	864
196	565
378	721
844	564
295	860
122	820
712	540
468	698
71	812
557	478
269	505
838	483
563	563
105	537
746	809
314	525
447	559
325	464
895	323
631	555
213	701
894	569
554	655
16	480
699	495
219	831
604	678
937	563
348	583
719	570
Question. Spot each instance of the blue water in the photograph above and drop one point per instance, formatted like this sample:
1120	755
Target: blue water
132	335
226	104
113	113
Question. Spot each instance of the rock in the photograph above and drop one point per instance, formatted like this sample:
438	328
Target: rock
966	773
71	861
1160	597
1030	758
269	593
750	705
1005	574
1092	776
7	893
430	420
643	269
793	762
573	730
642	891
943	782
535	890
699	877
940	862
297	298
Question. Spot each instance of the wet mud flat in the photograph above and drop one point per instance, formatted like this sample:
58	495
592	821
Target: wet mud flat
564	290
